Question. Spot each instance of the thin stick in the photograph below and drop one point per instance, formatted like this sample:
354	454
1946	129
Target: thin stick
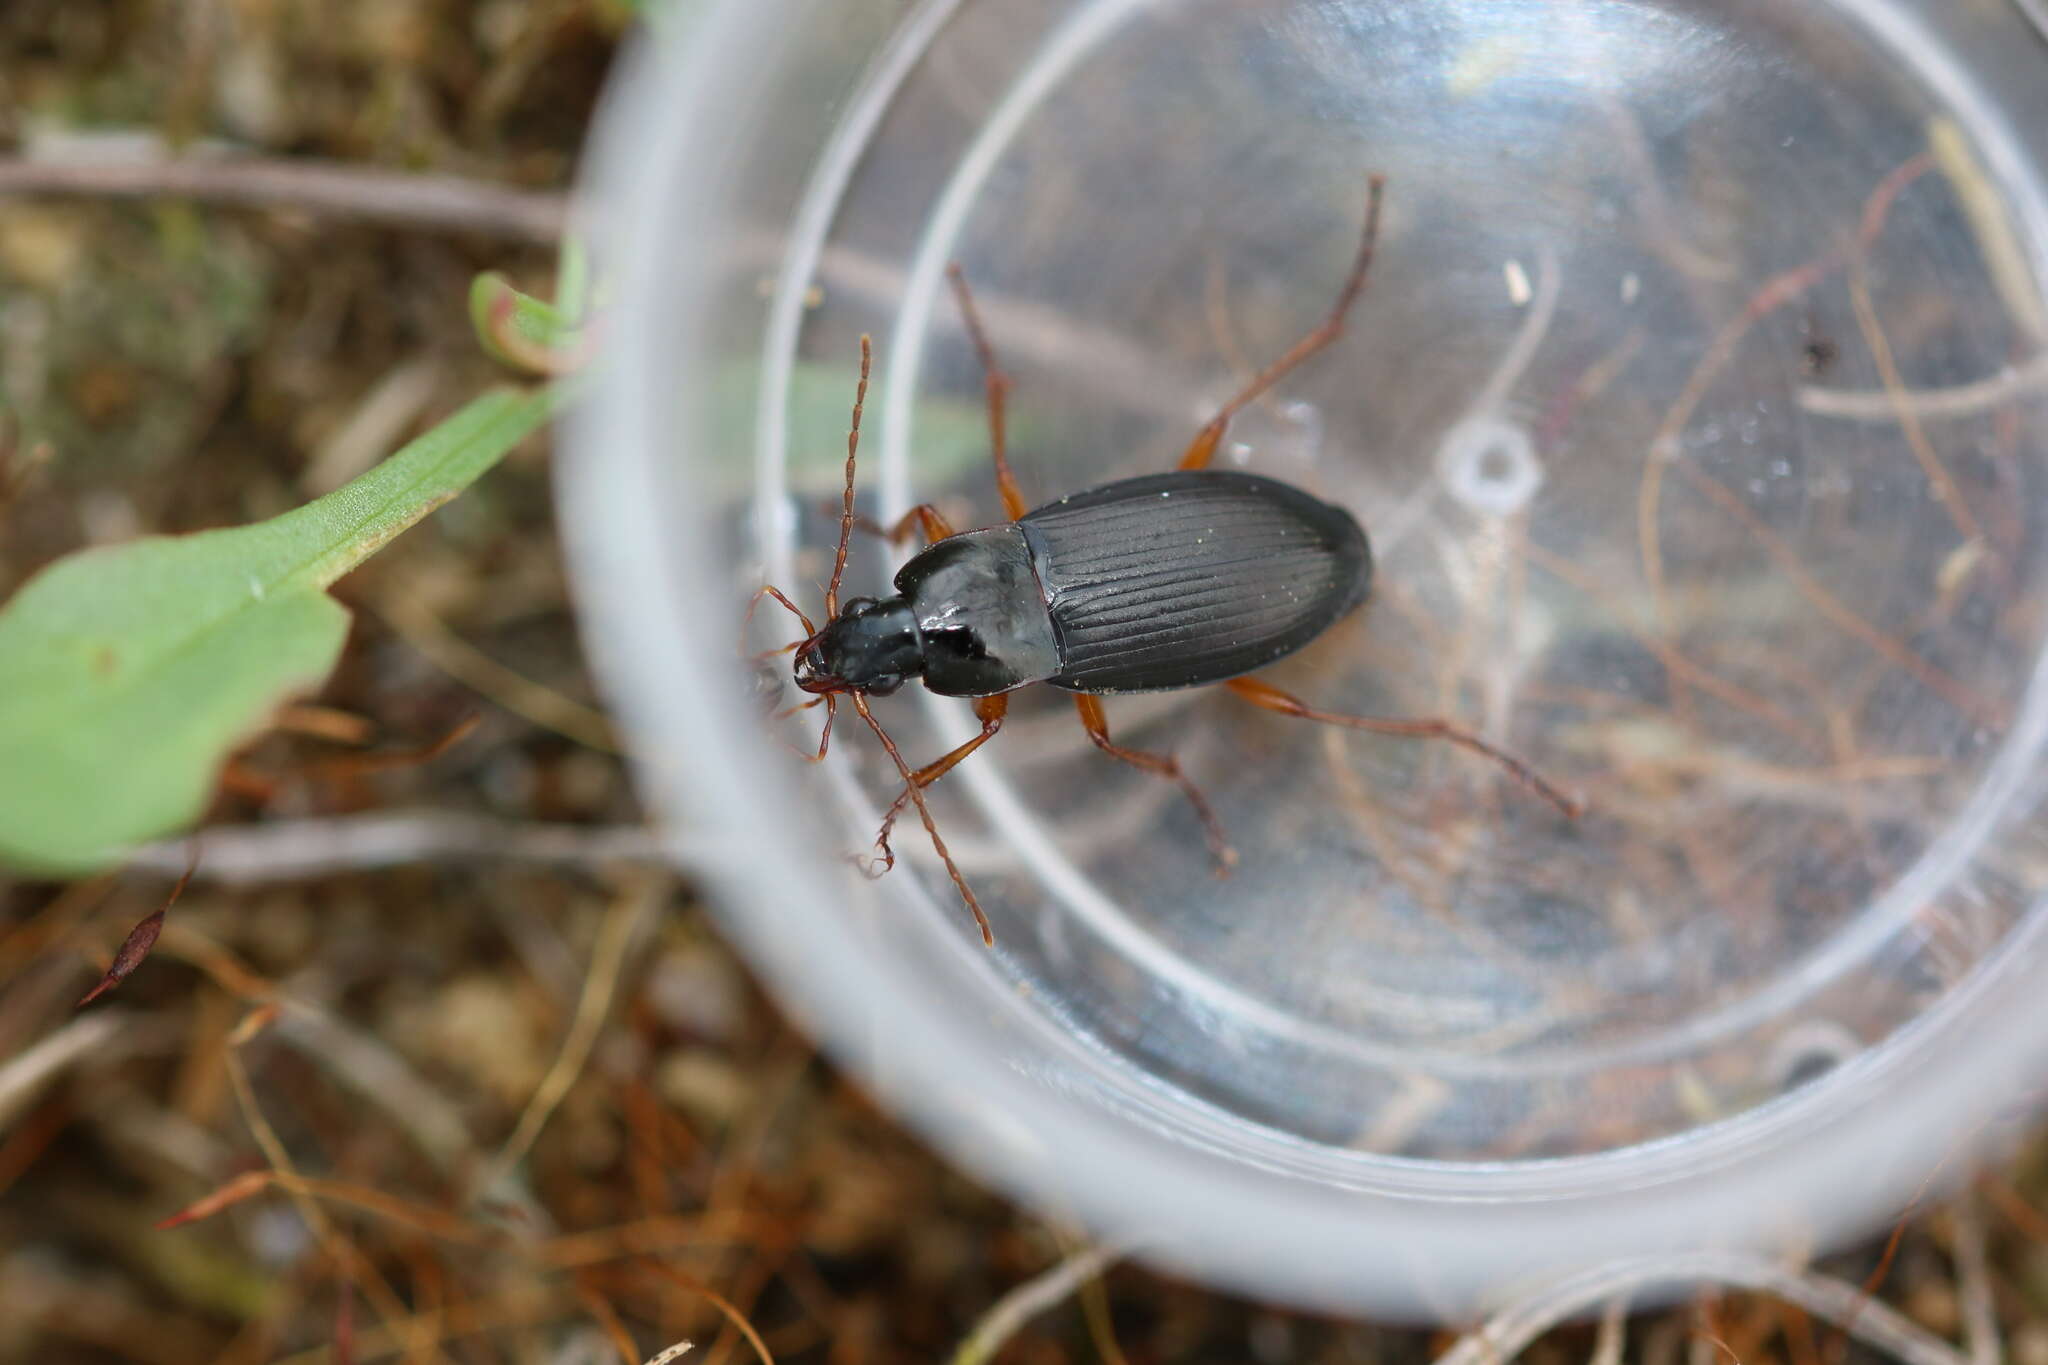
336	1243
719	1301
417	624
608	1319
1503	1336
924	813
399	198
607	960
860	396
1964	400
1028	1300
1772	295
287	850
1938	479
1943	684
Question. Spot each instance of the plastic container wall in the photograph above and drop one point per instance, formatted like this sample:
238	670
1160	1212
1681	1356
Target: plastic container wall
1697	409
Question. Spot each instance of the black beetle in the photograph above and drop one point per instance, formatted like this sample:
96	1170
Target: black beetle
1147	584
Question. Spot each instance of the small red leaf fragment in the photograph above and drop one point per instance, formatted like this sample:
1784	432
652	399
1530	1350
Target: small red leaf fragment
234	1192
356	765
345	1325
136	946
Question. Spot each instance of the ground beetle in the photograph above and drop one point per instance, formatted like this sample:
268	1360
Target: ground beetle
1147	584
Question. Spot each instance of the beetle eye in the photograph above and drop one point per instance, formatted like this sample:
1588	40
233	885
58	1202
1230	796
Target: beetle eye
856	605
884	685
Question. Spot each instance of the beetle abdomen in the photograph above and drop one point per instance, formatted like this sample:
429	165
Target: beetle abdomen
1175	580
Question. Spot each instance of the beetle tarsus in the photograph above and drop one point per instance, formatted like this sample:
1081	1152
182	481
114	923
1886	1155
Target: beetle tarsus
1096	722
1266	695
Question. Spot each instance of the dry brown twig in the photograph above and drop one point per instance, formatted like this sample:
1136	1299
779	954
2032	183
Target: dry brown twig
517	693
1504	1336
1962	400
291	850
399	198
1009	1313
607	961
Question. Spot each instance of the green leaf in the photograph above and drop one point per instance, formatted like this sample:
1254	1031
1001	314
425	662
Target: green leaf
522	331
572	280
127	674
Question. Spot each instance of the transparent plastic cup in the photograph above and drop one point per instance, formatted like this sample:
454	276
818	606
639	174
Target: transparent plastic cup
1698	412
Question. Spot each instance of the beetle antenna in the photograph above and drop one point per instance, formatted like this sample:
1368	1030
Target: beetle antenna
860	396
860	704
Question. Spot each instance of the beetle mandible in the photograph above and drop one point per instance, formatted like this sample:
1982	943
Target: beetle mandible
1147	584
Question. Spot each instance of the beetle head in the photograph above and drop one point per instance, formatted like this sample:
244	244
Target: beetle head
869	647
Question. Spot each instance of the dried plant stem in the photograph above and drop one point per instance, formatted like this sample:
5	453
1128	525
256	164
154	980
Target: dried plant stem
398	198
725	1306
514	691
608	1319
607	959
1883	1328
1939	481
1612	1338
390	1310
1973	1283
291	850
1772	295
23	1075
1028	1300
1963	400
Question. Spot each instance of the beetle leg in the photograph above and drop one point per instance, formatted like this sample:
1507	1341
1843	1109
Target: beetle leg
989	711
1096	722
935	525
1273	699
923	515
997	386
1203	448
747	623
860	706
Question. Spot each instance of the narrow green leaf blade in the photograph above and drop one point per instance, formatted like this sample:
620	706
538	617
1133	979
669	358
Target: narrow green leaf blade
323	540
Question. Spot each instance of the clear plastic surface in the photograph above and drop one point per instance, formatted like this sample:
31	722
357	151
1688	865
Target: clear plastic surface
1698	412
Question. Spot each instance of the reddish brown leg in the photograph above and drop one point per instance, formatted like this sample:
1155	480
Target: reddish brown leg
1096	723
1203	448
1273	699
924	516
997	386
831	707
747	621
924	813
990	712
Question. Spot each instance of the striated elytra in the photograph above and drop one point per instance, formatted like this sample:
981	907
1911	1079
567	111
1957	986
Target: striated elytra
1143	585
